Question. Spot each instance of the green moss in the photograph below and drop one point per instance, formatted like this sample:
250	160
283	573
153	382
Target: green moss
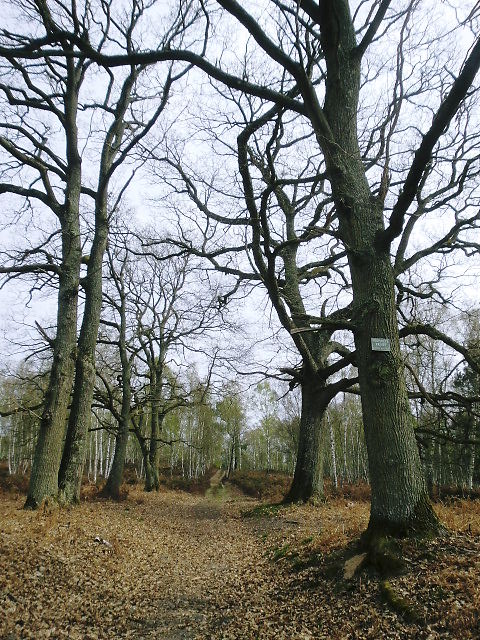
384	555
280	552
263	511
398	603
422	523
382	370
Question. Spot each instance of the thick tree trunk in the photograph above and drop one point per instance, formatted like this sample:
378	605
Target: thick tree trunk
151	475
48	451
400	500
115	477
71	468
73	460
152	482
428	465
307	481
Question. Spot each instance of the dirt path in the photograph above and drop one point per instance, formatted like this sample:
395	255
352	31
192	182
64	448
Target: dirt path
217	491
179	567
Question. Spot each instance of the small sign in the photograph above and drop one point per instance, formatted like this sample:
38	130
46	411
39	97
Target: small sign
380	344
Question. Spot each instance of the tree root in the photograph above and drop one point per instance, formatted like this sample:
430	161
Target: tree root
398	603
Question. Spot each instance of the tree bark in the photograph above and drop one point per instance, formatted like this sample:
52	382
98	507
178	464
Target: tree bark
307	481
152	482
333	454
48	451
399	495
73	460
115	477
151	472
400	501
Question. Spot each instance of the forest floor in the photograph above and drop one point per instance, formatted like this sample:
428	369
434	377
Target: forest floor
174	566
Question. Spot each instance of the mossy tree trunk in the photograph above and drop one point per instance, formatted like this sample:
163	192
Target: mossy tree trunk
115	477
152	481
48	451
285	284
73	460
399	496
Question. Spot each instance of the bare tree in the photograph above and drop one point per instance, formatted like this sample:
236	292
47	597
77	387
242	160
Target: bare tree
323	55
119	276
156	313
110	114
279	212
320	53
39	114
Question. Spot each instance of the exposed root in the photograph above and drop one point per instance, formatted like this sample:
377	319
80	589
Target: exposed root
398	603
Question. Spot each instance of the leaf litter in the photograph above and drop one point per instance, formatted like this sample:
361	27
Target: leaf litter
174	566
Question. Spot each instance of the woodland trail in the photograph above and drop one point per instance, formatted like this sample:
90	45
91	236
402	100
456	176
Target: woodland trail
173	566
168	566
217	489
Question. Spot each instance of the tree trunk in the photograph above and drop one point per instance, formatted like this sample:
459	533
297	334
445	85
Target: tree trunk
333	452
71	468
400	500
399	497
236	444
307	481
115	476
151	474
428	465
152	478
152	481
230	460
48	450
